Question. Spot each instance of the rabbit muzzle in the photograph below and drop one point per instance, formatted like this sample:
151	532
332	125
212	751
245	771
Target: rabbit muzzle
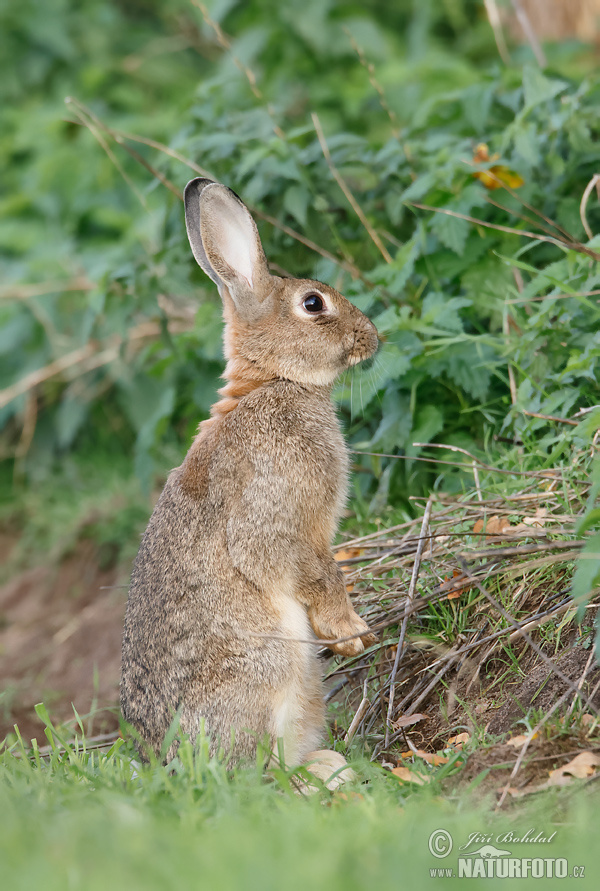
365	343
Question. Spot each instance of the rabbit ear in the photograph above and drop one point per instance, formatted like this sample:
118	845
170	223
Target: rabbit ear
225	242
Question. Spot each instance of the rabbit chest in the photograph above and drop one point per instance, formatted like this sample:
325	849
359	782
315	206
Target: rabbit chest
291	460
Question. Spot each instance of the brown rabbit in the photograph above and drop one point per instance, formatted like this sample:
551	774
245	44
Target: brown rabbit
235	567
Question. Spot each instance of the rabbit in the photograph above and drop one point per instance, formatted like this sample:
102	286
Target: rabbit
235	576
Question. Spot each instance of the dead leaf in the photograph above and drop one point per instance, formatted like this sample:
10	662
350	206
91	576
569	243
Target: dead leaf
498	175
430	757
520	740
344	554
404	775
407	720
540	518
587	720
582	766
493	525
455	592
457	742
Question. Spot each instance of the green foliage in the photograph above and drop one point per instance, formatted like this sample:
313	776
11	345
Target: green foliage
461	304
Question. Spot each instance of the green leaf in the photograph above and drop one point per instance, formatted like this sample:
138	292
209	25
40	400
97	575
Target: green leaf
429	422
70	416
451	231
528	144
587	572
538	89
295	201
591	519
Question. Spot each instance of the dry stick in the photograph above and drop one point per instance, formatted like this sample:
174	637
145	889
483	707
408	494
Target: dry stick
225	42
536	414
345	189
39	289
380	532
453	448
95	131
439	445
583	205
521	216
153	170
555	297
409	602
370	69
343	264
101	741
452	658
535	235
360	712
581	681
84	112
425	688
512	383
518	626
567	235
496	23
529	33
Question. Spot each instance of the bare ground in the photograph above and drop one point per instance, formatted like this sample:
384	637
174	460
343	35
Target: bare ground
60	642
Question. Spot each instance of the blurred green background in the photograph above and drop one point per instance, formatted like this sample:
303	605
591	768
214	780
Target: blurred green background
110	334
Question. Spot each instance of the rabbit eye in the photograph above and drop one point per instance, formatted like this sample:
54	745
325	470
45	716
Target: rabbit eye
313	303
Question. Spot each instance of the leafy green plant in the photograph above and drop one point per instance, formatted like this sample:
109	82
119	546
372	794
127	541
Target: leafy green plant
485	299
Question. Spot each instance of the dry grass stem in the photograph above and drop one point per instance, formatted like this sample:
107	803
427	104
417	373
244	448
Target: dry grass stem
482	594
347	192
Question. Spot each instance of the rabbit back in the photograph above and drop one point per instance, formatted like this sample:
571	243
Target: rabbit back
213	628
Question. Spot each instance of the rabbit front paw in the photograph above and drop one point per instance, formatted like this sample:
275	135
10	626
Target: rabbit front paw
339	628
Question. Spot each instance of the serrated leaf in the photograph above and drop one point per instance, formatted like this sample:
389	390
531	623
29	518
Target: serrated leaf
537	88
451	231
418	188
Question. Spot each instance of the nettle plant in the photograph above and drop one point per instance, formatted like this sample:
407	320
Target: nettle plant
460	220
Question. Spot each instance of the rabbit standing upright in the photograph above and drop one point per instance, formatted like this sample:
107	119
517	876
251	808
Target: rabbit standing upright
235	573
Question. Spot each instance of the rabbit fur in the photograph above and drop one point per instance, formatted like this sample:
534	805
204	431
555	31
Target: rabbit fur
235	575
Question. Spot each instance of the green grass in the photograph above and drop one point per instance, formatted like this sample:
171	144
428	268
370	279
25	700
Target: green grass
81	819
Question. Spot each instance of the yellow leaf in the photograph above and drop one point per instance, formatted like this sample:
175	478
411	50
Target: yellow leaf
457	742
498	175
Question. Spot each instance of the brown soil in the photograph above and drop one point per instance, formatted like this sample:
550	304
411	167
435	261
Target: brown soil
60	643
490	768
